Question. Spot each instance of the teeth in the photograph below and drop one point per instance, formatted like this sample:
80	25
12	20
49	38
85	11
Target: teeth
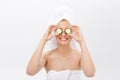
63	39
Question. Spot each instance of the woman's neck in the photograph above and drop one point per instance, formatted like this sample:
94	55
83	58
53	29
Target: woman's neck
64	49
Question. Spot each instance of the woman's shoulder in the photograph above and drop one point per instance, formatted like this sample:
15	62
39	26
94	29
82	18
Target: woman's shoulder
76	52
48	53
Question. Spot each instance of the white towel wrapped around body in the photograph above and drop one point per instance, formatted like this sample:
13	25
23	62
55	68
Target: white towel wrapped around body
64	75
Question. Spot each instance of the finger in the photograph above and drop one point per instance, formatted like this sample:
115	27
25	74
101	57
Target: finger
72	28
74	31
75	26
52	28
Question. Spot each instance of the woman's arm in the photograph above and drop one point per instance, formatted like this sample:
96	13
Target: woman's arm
86	61
38	60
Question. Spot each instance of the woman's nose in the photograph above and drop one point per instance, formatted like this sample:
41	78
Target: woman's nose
63	33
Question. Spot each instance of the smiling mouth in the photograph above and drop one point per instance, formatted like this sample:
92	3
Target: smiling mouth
63	39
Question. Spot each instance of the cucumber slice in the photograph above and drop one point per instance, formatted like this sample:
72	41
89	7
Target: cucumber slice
59	31
68	31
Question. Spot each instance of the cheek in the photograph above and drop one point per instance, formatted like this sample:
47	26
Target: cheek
70	37
56	36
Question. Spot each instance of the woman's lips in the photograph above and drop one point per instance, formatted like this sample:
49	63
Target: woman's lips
63	39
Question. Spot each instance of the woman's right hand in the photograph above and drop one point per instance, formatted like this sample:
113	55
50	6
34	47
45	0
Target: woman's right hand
49	32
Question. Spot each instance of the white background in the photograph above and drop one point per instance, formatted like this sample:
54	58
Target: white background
23	21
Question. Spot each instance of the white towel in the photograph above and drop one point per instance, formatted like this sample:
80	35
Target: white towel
64	75
63	12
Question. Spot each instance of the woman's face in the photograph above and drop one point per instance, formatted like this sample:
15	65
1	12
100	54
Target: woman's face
63	38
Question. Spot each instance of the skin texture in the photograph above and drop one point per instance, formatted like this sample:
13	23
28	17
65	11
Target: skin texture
63	57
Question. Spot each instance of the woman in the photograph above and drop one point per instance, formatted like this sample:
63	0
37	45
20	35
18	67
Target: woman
63	59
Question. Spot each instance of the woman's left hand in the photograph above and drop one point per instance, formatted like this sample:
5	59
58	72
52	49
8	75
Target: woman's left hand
77	35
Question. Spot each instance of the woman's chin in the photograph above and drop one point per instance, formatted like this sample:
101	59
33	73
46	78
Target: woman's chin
63	44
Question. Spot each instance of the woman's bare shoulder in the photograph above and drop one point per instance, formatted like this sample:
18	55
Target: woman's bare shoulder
77	52
48	53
